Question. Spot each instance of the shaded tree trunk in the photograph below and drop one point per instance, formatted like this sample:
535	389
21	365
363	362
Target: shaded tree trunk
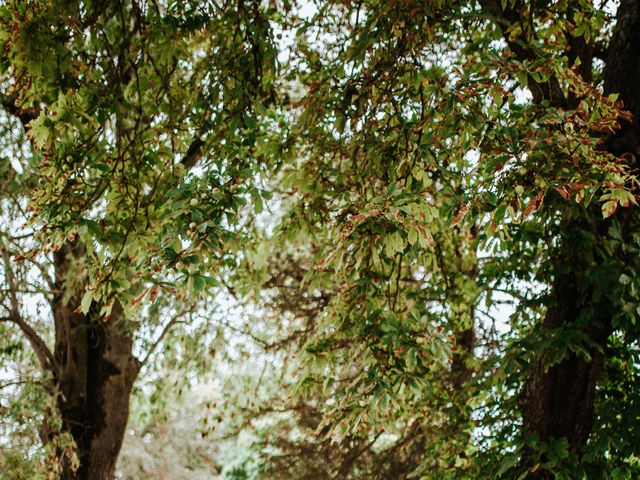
95	372
558	398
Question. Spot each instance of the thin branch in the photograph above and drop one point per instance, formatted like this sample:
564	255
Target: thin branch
45	357
266	345
349	461
511	293
8	102
21	382
174	320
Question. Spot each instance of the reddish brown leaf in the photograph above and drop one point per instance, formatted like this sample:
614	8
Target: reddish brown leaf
563	192
460	215
534	204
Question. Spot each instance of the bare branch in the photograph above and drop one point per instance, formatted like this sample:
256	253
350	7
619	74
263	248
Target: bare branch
21	382
348	462
174	320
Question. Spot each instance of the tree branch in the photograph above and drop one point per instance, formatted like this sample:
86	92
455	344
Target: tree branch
45	357
549	90
175	320
348	462
8	102
194	152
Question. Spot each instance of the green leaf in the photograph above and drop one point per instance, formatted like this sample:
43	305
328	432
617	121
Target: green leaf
412	236
624	279
507	462
250	122
199	282
85	303
176	245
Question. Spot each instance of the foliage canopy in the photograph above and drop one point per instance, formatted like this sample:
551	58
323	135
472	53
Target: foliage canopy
427	211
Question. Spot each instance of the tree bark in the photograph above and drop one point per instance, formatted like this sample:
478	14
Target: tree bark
558	398
96	371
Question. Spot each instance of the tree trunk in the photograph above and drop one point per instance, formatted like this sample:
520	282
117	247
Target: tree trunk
558	399
96	371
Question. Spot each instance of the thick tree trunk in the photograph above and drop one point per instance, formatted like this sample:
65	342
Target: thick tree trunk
558	398
96	371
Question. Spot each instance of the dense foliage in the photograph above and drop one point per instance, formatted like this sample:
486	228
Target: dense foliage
356	239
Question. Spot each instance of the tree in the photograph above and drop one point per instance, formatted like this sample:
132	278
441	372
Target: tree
141	124
430	162
448	153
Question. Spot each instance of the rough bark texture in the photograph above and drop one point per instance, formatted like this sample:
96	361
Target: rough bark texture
96	371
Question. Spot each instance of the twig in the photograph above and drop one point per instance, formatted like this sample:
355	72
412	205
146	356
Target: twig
164	332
